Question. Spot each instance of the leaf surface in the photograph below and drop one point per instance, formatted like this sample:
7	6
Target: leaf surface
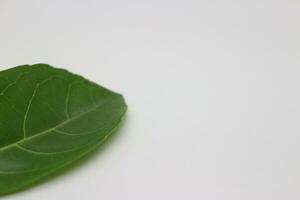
49	118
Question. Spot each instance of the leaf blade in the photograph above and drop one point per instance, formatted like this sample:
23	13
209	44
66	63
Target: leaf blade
55	124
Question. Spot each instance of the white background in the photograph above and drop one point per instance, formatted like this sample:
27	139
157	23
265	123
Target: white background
213	88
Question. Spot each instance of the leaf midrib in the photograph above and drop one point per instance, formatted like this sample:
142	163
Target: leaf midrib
54	127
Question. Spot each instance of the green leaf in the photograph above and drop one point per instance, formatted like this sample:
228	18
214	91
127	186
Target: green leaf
49	118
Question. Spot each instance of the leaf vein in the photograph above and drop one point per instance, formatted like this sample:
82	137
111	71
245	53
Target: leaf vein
41	152
53	128
30	102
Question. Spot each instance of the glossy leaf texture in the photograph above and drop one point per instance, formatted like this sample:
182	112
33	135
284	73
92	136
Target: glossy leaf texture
49	118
